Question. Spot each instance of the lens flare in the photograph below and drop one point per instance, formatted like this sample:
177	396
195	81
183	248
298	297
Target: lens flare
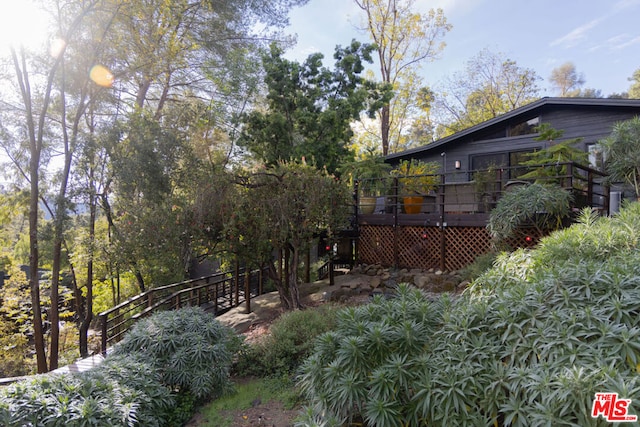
101	76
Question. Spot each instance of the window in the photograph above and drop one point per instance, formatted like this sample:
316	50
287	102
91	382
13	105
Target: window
524	128
502	160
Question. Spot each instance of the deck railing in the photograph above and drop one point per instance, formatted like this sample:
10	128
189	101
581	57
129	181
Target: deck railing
461	193
448	230
216	293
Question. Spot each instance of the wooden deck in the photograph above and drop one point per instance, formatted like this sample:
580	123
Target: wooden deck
449	231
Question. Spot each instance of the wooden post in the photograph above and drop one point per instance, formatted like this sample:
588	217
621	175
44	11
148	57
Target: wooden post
307	266
247	291
260	280
443	224
332	280
215	298
103	338
396	228
236	280
356	222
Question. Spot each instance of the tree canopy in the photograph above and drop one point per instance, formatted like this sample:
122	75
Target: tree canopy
490	85
405	39
310	108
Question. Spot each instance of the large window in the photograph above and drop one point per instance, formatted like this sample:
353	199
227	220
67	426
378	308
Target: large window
524	128
501	160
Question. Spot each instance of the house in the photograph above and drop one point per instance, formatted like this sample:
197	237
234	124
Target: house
503	140
449	231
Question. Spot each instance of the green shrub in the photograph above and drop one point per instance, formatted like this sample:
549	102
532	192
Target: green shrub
288	343
529	344
123	391
538	205
192	350
154	377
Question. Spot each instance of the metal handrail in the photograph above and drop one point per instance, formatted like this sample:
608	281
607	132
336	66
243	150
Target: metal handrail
116	321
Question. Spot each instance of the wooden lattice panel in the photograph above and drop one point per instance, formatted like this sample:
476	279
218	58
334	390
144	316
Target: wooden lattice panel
419	247
463	245
375	245
526	238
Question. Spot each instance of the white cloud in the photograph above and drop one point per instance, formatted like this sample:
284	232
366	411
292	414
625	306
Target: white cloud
576	35
626	44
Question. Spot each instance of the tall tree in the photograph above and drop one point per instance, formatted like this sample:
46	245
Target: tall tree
283	207
311	108
566	80
489	86
405	39
634	90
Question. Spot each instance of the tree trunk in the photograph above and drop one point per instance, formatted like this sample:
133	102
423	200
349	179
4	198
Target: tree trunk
88	314
294	291
385	123
275	274
34	280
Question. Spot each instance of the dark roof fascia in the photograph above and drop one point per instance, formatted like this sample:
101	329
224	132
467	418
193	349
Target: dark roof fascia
590	102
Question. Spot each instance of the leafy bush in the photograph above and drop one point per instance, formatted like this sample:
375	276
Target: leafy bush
530	343
123	391
288	343
154	377
538	205
192	349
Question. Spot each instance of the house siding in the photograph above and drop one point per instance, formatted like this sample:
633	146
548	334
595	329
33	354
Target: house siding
590	120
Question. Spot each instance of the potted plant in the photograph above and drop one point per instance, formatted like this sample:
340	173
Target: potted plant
371	173
622	154
415	180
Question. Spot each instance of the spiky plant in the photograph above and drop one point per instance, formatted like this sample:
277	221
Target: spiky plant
529	344
123	391
538	205
191	348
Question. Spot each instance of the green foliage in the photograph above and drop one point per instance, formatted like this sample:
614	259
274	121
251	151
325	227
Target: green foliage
192	350
155	377
310	108
479	265
416	176
288	343
622	153
529	344
538	205
123	391
245	396
282	207
370	172
550	156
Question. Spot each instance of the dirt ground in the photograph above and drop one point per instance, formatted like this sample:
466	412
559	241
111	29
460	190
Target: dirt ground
264	310
269	414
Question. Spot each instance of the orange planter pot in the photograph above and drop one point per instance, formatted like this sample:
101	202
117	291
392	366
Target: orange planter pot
413	204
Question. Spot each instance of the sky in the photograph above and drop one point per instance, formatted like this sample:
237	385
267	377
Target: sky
600	37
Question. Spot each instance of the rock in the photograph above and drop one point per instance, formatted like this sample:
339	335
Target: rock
421	281
463	285
438	273
375	282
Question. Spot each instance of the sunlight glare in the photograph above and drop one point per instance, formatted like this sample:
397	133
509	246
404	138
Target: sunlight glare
22	24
